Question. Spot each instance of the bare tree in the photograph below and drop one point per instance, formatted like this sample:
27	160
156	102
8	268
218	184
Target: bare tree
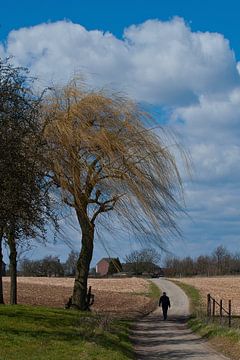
144	260
71	263
221	256
105	158
48	266
203	265
221	262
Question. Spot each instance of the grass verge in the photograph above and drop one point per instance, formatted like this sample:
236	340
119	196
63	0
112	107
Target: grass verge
154	291
224	339
39	333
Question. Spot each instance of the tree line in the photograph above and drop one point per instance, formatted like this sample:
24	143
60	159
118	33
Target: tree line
90	151
143	261
136	262
220	262
49	266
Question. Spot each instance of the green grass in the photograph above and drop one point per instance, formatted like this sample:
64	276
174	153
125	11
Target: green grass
194	296
224	338
39	333
154	291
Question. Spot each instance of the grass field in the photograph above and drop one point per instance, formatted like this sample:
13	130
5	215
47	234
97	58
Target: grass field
38	332
222	338
28	332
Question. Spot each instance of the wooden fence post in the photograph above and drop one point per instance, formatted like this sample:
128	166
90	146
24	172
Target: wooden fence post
229	313
213	309
209	305
221	311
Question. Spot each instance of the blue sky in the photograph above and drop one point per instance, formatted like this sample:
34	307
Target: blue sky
108	15
181	57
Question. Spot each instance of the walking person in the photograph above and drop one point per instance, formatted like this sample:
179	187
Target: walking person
165	302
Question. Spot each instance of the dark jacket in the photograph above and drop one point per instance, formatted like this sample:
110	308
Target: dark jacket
164	301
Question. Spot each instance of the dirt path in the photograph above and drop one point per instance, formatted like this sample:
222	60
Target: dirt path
155	339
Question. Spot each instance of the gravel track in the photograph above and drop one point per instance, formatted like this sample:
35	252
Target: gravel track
155	339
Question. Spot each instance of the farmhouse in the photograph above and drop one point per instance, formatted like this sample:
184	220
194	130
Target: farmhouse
102	267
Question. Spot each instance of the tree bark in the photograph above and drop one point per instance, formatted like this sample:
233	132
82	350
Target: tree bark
79	298
1	269
13	268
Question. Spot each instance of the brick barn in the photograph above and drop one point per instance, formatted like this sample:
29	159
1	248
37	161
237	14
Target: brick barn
103	266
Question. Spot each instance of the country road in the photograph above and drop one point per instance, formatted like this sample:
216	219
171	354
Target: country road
155	339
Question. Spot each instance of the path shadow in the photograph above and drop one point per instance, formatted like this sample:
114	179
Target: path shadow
152	335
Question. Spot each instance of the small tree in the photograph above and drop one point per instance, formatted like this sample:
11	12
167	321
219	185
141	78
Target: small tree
221	257
48	266
71	263
144	260
25	202
27	268
104	158
51	266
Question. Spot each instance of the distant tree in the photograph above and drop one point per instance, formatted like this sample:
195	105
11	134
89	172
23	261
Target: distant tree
51	266
105	158
235	264
204	265
221	257
25	267
29	267
115	266
172	266
144	260
48	266
220	262
71	263
188	266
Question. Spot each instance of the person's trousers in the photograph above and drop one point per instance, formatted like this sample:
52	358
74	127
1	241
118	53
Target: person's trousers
164	310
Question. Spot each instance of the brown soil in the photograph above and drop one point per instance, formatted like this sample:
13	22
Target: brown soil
220	287
43	292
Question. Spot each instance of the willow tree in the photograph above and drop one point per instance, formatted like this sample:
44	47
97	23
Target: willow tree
105	159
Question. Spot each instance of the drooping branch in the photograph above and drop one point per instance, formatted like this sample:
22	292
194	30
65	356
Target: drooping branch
104	206
100	142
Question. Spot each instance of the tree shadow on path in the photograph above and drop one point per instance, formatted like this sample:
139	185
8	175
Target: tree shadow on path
155	339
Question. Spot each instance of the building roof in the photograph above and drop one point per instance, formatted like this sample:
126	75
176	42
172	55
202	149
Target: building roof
106	259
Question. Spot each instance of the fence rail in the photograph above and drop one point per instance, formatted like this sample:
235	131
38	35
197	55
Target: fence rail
213	304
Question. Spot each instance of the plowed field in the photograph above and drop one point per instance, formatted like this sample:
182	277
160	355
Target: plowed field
225	288
114	296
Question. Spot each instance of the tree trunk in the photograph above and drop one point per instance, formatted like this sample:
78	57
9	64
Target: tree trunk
13	268
1	269
79	298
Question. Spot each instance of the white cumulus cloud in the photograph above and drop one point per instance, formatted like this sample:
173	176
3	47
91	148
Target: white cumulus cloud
160	62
